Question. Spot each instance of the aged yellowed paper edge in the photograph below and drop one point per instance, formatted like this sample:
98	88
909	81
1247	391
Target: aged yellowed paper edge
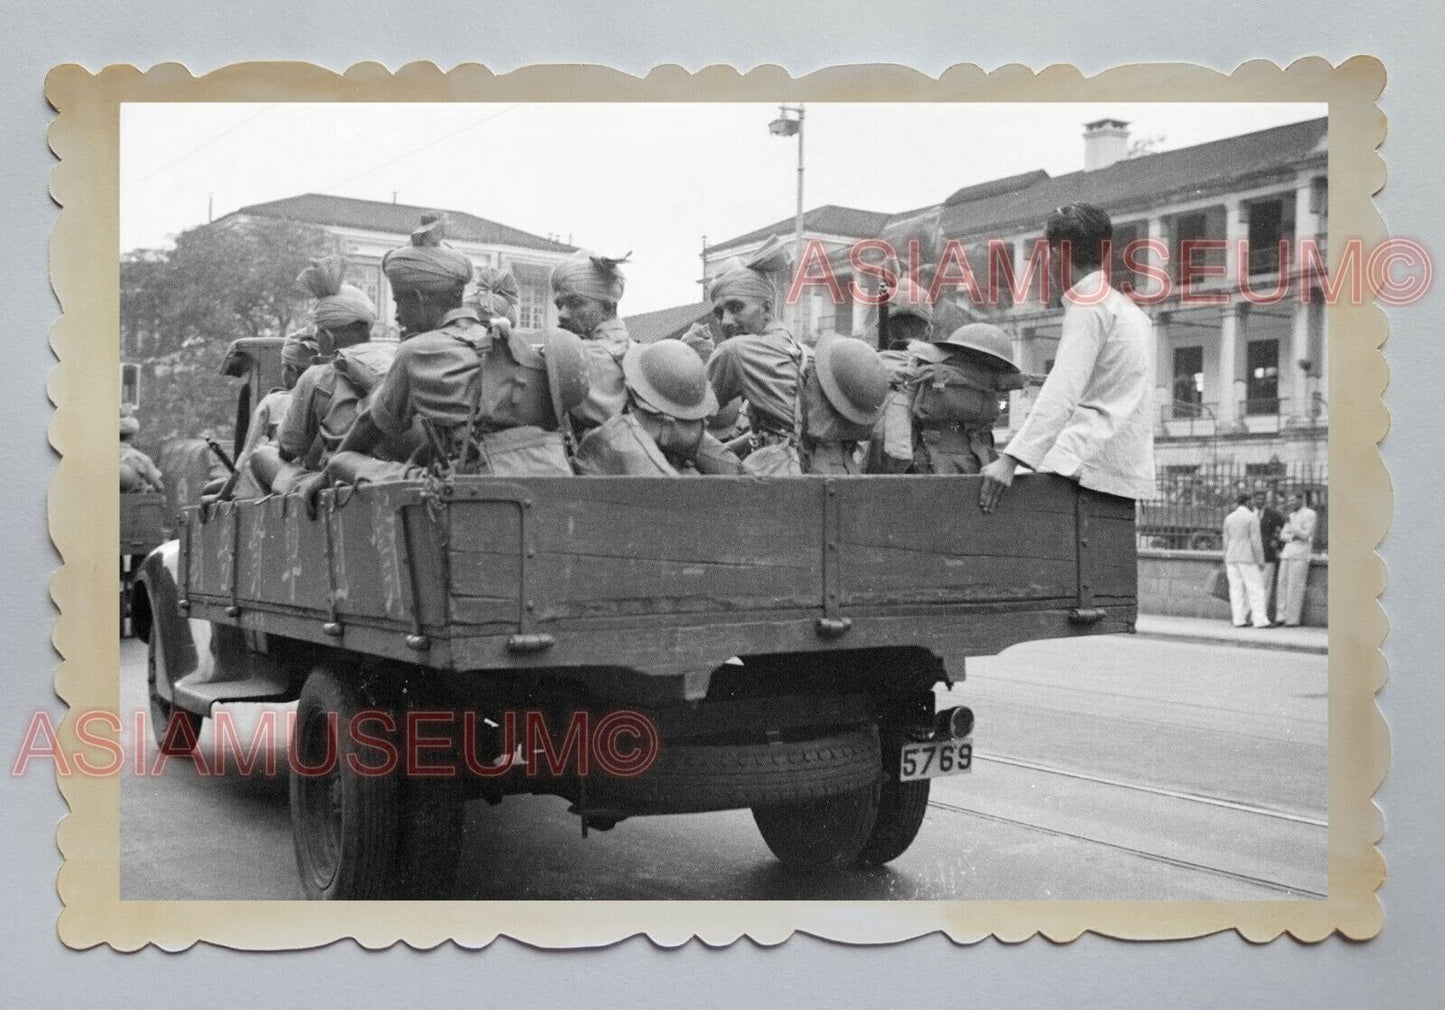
84	515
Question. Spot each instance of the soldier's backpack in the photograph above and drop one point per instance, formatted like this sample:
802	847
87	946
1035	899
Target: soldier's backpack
955	391
519	422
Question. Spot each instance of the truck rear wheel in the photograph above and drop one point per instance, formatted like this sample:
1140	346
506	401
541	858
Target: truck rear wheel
901	806
362	831
821	833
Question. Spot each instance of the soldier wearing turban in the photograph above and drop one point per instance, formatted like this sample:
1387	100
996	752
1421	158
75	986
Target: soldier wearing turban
496	295
586	289
329	393
758	359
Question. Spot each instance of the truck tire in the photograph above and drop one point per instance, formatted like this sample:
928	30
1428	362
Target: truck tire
694	778
345	824
821	833
177	732
901	806
367	836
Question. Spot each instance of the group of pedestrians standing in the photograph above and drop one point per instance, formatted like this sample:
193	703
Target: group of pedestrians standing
1267	559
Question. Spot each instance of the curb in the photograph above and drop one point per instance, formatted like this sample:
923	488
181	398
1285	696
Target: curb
1240	643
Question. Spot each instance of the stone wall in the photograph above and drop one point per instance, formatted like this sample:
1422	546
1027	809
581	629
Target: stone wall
1173	583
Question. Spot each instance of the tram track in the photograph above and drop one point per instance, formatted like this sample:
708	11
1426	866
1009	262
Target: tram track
1185	864
1288	820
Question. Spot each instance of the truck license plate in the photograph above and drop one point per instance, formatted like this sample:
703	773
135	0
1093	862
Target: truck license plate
930	760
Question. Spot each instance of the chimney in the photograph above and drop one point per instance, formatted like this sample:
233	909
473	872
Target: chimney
1105	142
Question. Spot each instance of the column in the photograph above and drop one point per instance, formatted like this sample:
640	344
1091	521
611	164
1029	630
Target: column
1306	217
1227	410
1236	230
1299	350
1158	233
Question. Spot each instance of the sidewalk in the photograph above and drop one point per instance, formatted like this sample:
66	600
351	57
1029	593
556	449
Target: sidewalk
1196	629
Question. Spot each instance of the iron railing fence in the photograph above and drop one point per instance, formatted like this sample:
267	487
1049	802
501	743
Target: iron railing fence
1187	509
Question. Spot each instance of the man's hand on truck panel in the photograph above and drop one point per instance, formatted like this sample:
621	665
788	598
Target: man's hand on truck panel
996	476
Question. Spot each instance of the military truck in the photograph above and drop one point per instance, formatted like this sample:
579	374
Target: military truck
770	644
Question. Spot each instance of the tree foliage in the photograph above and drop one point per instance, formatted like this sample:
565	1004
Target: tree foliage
180	308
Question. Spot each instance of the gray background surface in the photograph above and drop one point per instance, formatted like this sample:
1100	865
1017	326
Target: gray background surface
1399	968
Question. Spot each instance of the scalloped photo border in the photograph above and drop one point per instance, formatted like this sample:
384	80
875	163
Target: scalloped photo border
83	516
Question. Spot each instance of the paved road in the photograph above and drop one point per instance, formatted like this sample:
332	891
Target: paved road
1107	768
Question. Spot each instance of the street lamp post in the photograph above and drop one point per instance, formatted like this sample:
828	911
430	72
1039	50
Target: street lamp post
789	124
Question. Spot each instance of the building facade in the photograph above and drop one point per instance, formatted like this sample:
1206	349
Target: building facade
1240	367
367	229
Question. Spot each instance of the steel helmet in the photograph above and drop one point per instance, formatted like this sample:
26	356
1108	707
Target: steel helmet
985	338
668	377
853	377
563	353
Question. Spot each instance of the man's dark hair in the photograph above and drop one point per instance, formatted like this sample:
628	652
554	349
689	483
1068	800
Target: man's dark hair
1244	499
1086	229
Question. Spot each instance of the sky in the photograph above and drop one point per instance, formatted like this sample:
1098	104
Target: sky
650	179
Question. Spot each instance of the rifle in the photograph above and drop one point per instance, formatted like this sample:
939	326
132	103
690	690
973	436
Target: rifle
220	454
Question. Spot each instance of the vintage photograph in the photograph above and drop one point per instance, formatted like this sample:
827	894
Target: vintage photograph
352	336
918	503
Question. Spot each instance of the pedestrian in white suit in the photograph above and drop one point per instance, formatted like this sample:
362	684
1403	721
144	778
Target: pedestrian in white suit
1298	537
1244	565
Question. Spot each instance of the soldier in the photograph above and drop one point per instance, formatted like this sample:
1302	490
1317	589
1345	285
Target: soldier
328	396
254	478
909	316
845	384
758	359
909	322
138	472
953	388
663	428
586	289
488	399
496	295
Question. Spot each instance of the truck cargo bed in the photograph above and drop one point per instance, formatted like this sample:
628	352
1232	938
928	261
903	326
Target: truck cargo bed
666	576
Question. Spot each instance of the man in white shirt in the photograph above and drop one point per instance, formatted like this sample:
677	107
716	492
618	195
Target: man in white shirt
1244	565
1093	420
1298	537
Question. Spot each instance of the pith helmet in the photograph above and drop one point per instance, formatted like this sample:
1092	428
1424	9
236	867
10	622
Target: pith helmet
986	339
853	377
128	424
669	377
563	352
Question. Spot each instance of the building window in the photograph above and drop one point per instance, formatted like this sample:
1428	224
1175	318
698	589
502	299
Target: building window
532	309
1188	381
1266	228
1261	392
1189	228
366	277
130	385
842	311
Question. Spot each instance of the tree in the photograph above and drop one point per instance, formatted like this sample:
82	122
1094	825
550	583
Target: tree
180	308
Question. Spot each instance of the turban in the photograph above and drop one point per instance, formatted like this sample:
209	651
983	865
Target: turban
496	295
752	278
299	350
428	263
337	304
586	273
908	299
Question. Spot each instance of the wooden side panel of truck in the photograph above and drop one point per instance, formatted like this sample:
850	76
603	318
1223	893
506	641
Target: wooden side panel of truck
666	577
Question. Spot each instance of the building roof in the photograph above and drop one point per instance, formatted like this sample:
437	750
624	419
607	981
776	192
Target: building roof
829	219
1139	181
396	219
647	327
